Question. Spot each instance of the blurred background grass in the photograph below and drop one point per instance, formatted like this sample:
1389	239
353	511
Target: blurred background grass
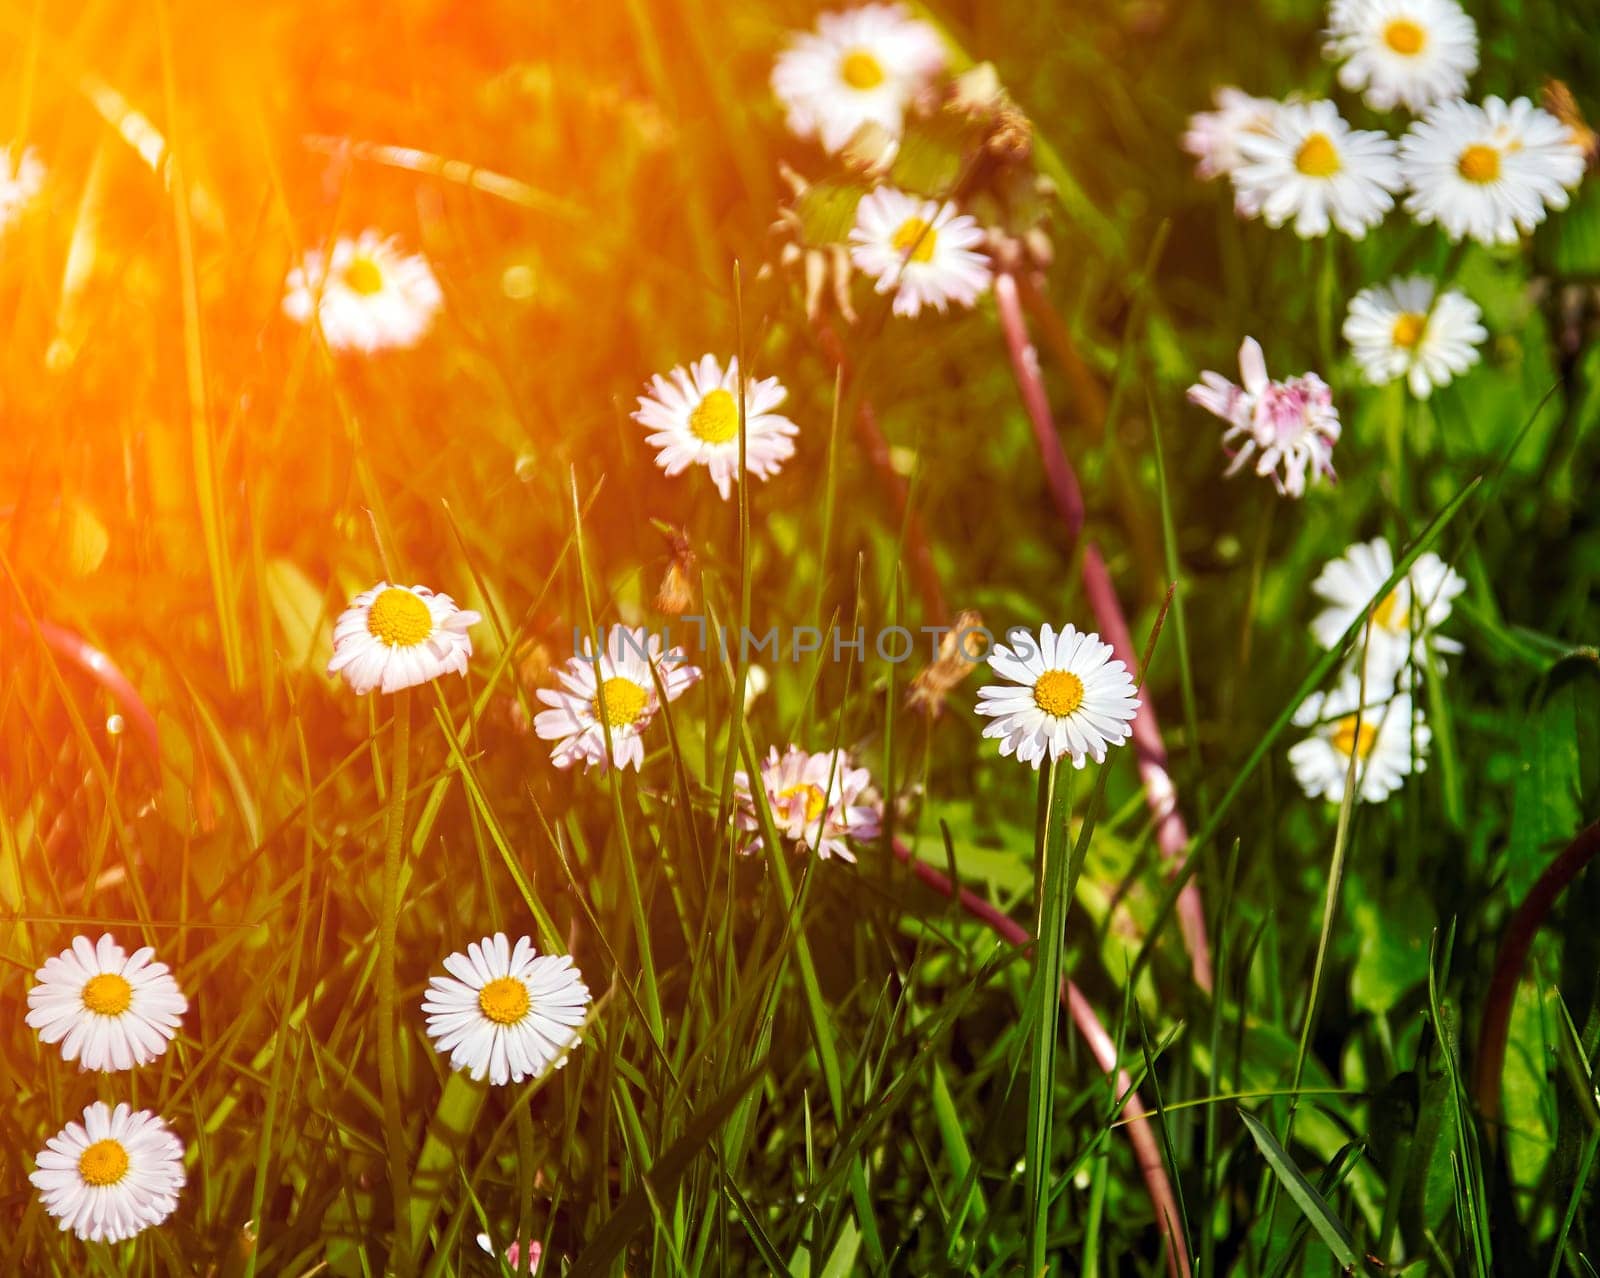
189	482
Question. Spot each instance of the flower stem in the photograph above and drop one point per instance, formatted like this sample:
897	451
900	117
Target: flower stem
1059	475
388	929
1146	1149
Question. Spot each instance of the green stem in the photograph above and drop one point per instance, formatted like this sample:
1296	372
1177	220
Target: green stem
1045	1006
388	928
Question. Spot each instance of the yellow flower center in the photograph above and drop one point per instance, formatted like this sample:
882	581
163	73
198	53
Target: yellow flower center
816	801
624	701
363	276
104	1163
107	994
1392	614
1348	740
1408	329
1479	163
1058	692
1405	37
1318	157
399	618
916	237
504	1000
860	70
715	418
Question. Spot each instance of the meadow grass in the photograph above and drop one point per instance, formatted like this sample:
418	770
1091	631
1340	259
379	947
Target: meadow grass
1385	1061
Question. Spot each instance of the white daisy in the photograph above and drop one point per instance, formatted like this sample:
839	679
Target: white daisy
111	1176
1409	53
1489	172
923	252
818	801
1390	741
1292	424
1399	330
393	637
1065	694
107	1009
860	66
1213	138
373	296
1310	165
693	414
21	178
628	689
505	1013
1405	621
513	1253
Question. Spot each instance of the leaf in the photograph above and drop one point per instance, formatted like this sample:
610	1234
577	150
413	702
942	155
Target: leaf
633	1212
1332	1230
1394	948
86	539
297	604
1558	783
444	1150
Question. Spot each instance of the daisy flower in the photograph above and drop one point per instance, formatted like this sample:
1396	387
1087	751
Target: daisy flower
1213	137
1291	425
21	178
1399	329
1064	694
1489	172
1409	53
508	1013
693	417
1310	165
109	1011
393	637
367	294
111	1176
1388	738
860	66
923	252
1405	621
513	1254
625	698
817	801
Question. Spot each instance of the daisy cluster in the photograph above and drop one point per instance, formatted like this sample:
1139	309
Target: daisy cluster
118	1171
1368	722
1488	172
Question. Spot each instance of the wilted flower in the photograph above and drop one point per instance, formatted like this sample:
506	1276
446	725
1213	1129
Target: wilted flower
1291	425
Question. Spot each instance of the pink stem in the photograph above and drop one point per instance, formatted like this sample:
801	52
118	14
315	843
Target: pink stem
1140	1132
83	654
1172	834
1058	472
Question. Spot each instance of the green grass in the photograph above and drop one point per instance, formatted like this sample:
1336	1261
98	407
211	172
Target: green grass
792	1065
